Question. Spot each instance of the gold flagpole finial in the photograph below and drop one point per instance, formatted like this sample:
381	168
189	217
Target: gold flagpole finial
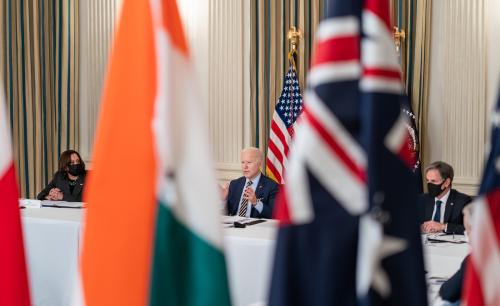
294	37
399	37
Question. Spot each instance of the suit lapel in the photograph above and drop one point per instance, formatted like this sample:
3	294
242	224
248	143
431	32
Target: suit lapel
260	187
429	208
237	195
64	185
258	194
449	207
78	186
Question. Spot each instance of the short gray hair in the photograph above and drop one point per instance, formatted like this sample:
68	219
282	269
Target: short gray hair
256	151
445	170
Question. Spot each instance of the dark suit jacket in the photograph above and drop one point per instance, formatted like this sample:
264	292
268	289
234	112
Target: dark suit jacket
61	181
451	290
266	191
452	213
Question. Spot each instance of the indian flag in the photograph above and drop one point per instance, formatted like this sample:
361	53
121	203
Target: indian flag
152	233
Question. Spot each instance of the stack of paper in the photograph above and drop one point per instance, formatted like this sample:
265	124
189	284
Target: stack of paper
63	204
29	203
446	238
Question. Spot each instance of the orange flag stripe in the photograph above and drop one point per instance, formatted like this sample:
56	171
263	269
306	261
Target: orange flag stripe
117	246
173	26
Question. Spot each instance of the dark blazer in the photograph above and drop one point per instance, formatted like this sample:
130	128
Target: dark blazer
451	290
61	181
266	191
452	213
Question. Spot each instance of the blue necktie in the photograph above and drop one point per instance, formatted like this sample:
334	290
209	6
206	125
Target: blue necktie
437	215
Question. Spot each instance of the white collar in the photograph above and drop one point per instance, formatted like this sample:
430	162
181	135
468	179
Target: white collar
444	199
254	180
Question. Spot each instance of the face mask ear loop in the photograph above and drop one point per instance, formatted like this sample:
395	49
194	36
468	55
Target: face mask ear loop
444	183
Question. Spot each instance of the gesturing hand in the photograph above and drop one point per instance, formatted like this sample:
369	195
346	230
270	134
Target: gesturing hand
250	195
224	191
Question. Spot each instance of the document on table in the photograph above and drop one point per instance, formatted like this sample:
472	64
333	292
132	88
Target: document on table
30	203
446	238
63	204
229	221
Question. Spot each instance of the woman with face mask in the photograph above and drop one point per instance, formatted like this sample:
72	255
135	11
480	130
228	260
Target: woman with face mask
68	181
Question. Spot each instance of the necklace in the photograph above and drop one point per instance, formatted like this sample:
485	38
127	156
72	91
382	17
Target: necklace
72	183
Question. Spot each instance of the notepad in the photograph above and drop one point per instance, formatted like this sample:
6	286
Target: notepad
458	239
63	204
30	203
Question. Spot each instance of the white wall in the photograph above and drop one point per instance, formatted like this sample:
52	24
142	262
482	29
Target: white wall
218	32
458	89
493	51
463	77
219	35
97	25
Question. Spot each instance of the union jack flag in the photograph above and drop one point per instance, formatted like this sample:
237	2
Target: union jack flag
288	108
483	268
349	230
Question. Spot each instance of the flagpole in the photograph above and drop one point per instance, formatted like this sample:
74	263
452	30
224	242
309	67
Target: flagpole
294	37
287	109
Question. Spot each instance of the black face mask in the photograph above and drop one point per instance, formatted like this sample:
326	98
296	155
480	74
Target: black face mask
76	170
434	189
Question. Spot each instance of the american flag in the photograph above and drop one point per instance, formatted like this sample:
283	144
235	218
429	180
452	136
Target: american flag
483	269
349	230
288	109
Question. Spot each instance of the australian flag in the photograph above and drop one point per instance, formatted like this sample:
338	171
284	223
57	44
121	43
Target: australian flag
349	232
483	268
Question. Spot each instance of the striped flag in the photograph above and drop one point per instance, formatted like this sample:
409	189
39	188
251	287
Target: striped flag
483	269
390	266
14	288
288	109
345	238
152	233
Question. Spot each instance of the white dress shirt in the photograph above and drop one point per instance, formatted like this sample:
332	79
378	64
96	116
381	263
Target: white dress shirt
444	199
259	206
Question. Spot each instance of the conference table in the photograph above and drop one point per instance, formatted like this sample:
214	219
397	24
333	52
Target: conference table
52	243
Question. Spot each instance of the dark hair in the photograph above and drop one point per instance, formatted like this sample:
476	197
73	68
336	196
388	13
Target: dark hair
445	170
65	160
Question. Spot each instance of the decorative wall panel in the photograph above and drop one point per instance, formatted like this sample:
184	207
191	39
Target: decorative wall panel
97	25
457	89
229	95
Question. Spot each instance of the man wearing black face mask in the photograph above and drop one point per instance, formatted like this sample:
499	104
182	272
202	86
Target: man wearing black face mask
67	184
442	205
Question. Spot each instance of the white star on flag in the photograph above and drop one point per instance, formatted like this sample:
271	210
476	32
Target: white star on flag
374	246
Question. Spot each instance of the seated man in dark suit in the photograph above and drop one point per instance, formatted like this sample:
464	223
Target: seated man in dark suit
253	194
442	205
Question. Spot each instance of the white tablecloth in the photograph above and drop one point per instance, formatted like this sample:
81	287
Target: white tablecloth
249	256
52	238
442	260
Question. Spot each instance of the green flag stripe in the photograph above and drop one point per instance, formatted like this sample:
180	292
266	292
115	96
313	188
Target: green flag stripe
186	269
